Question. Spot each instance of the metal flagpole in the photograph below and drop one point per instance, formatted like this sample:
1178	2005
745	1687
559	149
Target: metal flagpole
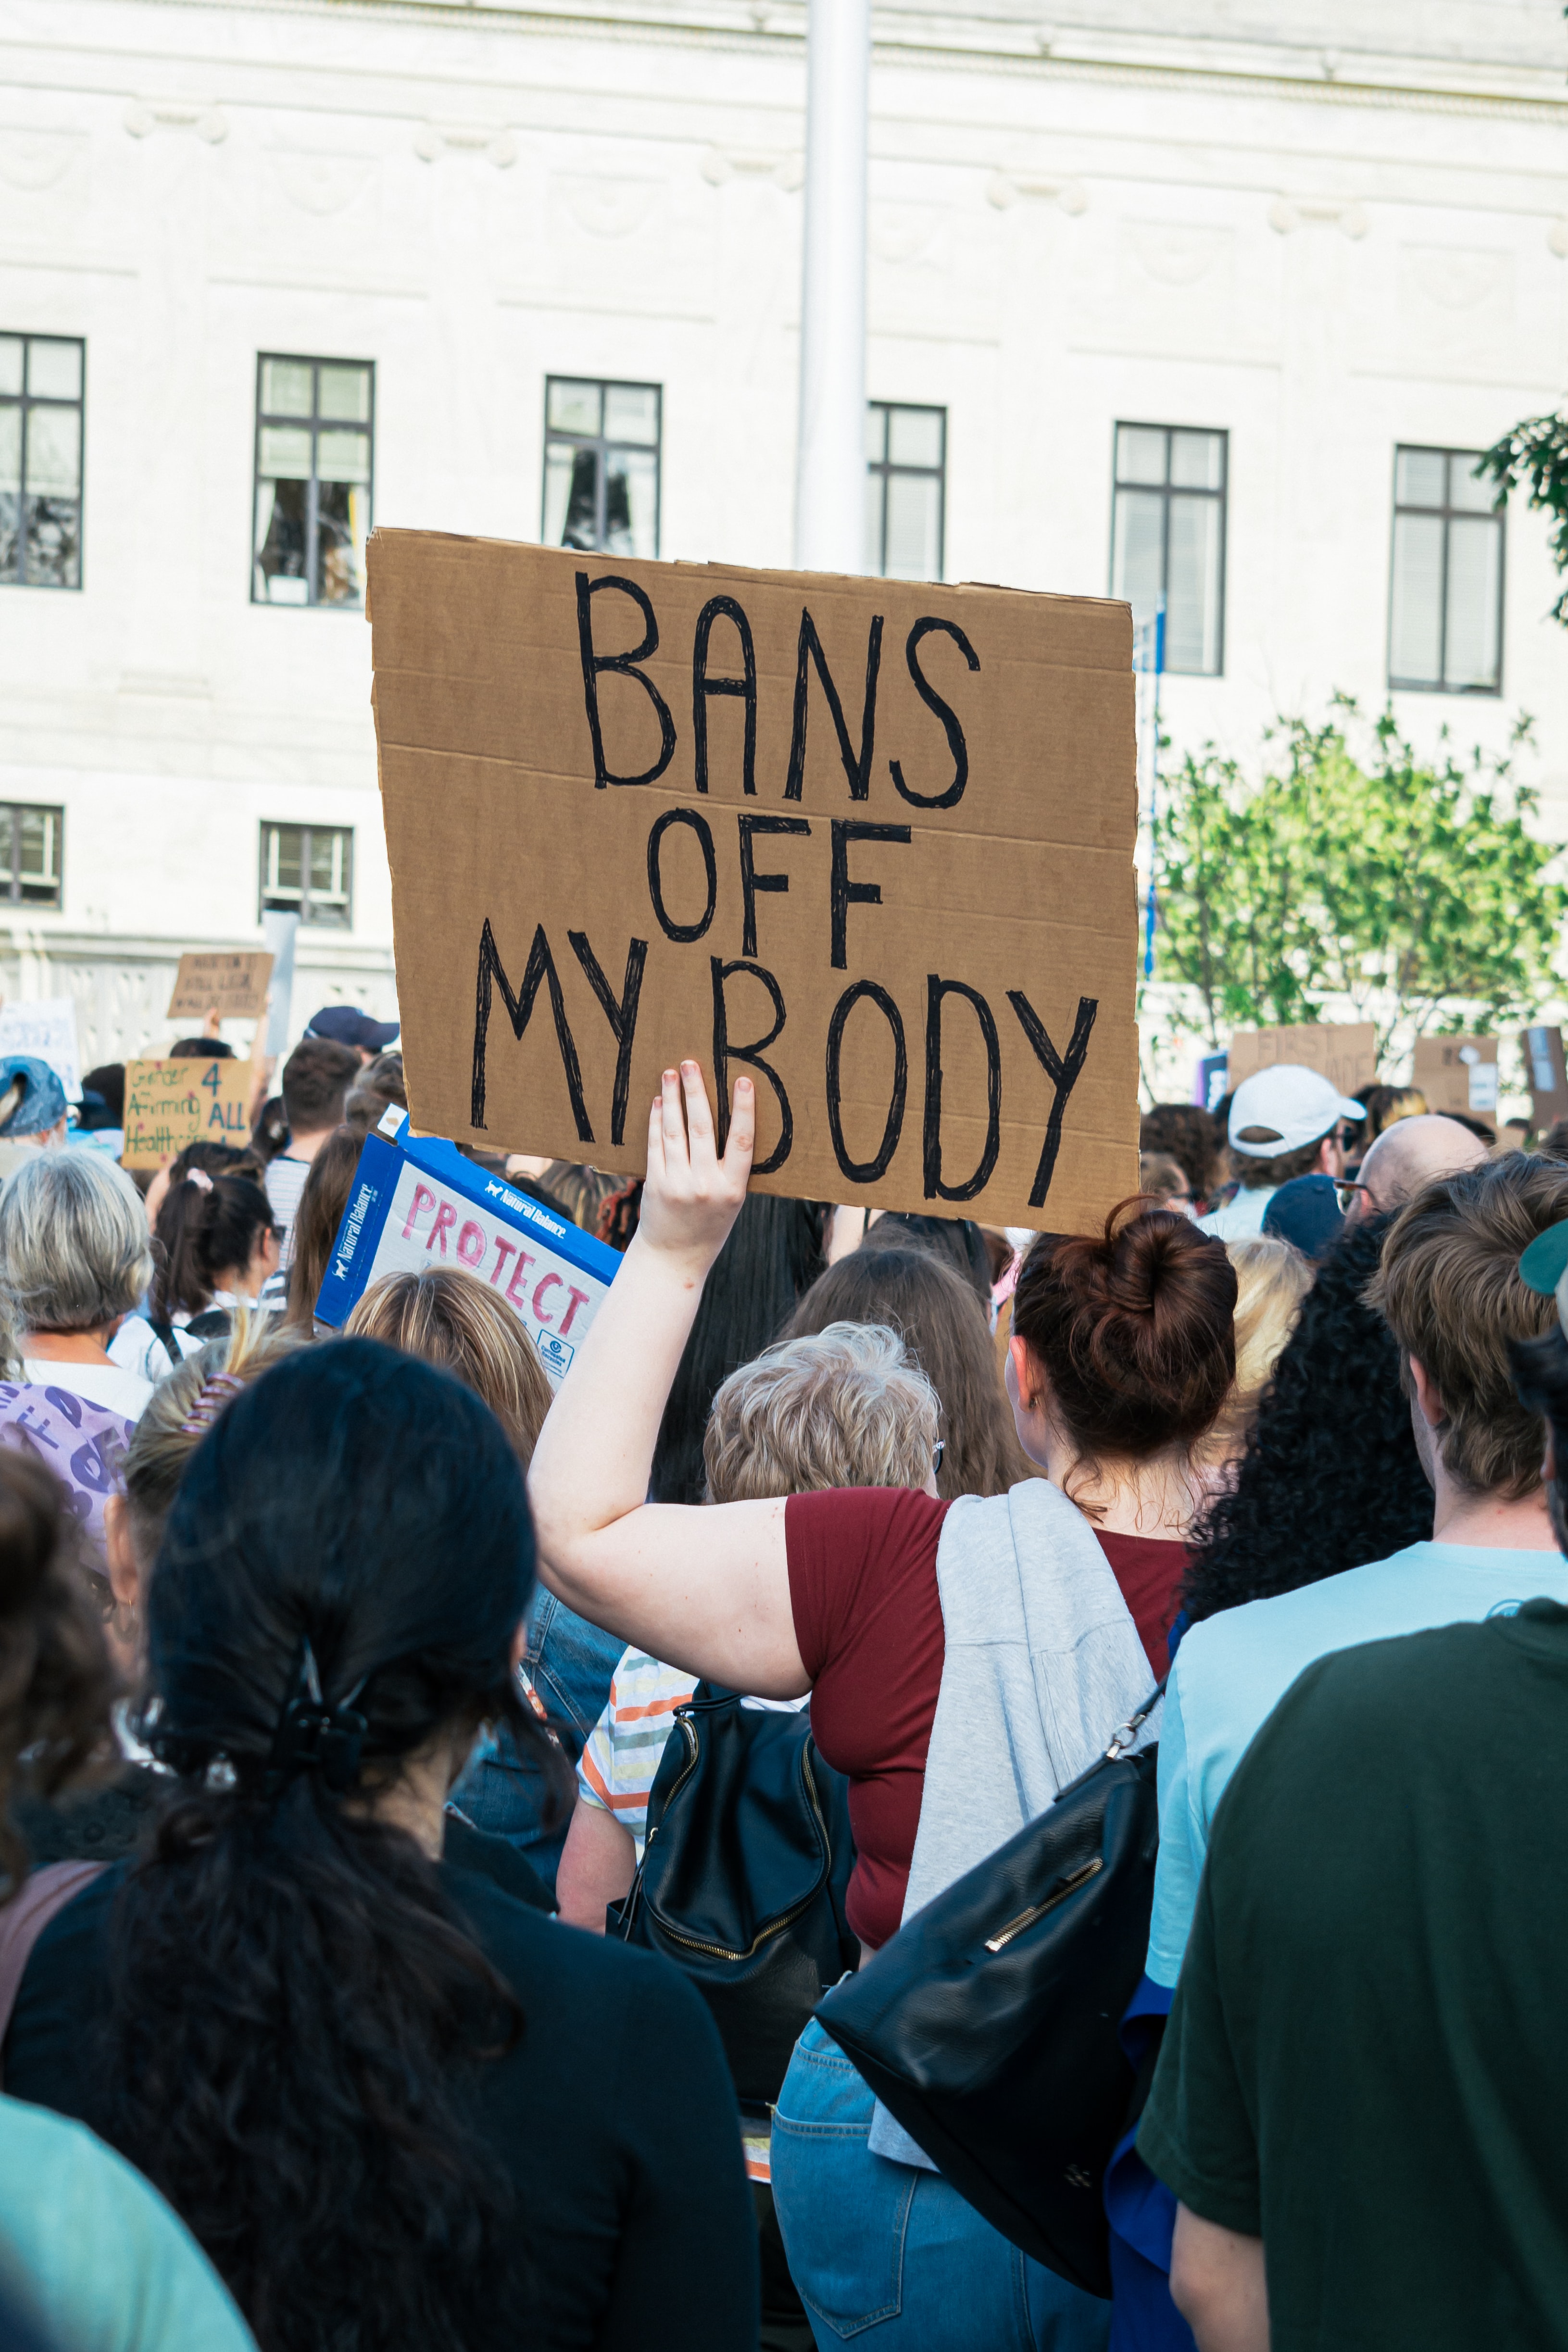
1149	662
830	479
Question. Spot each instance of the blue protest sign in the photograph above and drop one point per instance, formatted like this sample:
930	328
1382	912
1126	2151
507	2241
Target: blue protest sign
415	1202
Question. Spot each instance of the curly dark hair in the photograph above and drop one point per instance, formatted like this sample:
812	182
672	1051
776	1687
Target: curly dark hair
56	1680
1330	1477
1190	1136
298	2020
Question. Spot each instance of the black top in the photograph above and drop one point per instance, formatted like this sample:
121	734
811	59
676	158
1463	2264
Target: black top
614	2116
109	1823
1365	2064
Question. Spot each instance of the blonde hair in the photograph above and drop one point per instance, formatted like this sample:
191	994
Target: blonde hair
75	1251
448	1316
844	1407
1272	1279
182	1408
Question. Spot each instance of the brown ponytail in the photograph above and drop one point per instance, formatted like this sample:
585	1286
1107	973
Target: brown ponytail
1135	1330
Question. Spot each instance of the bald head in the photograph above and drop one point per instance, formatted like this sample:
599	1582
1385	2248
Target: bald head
1413	1152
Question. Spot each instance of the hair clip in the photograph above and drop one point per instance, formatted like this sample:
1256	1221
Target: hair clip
219	1389
312	1737
200	1178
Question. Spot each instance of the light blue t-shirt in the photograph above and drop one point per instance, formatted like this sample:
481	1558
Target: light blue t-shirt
1241	1219
1231	1670
92	2251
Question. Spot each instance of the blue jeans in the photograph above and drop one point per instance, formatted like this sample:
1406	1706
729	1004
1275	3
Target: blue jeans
875	2245
569	1663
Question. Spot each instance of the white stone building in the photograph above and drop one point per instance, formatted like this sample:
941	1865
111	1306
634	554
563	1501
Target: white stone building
291	266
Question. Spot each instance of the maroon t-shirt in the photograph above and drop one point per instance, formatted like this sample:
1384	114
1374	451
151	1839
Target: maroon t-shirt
868	1621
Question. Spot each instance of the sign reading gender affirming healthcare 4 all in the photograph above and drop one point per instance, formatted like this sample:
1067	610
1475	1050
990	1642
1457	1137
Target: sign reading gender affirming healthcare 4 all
867	841
417	1202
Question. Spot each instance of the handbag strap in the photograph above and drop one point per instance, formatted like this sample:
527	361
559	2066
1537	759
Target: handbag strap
1122	1738
22	1920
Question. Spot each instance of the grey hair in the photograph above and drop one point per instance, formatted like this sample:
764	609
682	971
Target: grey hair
74	1247
847	1406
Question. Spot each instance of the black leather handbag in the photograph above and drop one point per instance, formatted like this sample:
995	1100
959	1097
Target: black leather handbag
744	1877
988	2025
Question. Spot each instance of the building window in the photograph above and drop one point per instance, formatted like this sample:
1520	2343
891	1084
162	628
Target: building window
307	870
1167	537
314	425
1445	628
30	841
906	463
601	465
40	461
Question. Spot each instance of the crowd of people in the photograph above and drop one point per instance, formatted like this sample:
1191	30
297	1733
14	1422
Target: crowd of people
349	1680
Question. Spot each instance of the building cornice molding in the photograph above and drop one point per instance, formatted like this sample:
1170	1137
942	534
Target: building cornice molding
1323	75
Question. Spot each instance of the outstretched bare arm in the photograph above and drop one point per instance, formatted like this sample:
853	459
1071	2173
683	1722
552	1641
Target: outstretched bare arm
707	1589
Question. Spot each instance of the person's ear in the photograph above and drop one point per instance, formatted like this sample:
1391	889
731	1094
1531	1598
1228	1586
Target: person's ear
1423	1389
1024	1383
124	1573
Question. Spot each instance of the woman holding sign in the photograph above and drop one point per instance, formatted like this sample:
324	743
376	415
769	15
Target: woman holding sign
1124	1352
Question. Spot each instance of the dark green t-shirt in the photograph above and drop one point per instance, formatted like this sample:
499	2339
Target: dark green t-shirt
1367	2060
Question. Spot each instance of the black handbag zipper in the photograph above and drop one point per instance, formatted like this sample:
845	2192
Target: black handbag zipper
773	1926
1028	1918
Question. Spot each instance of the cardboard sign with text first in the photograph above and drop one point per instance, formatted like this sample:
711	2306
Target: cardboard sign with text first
170	1103
1345	1053
869	842
234	981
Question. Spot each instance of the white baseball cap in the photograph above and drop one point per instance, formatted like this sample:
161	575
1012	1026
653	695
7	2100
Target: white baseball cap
1281	1108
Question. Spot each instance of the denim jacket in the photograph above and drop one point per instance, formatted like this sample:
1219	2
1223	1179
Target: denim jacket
569	1663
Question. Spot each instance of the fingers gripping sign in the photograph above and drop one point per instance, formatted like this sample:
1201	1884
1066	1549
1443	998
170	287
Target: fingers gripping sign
691	1196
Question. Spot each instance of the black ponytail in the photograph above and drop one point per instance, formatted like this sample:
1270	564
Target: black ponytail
206	1225
299	2019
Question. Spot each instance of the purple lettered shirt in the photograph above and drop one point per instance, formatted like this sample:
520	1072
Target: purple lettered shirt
84	1444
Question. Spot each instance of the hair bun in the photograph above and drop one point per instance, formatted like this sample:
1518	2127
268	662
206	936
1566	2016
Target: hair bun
1133	1328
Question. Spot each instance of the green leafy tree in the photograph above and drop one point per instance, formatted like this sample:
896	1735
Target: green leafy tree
1350	870
1536	452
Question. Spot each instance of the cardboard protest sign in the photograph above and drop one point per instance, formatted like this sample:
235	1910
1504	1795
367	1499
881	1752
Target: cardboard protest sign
1458	1074
235	982
170	1103
415	1202
45	1027
1547	1075
869	841
1345	1053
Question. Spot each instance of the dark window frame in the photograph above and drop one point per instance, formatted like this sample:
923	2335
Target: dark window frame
602	444
27	401
1181	490
1448	514
315	424
13	812
283	824
887	466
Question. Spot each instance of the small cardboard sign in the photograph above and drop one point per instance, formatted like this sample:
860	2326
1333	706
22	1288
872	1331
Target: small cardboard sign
237	983
45	1027
415	1202
1458	1074
1547	1074
867	842
1343	1052
173	1102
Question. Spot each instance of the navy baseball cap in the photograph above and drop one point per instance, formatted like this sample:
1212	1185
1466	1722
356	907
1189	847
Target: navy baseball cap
346	1025
43	1099
1306	1211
